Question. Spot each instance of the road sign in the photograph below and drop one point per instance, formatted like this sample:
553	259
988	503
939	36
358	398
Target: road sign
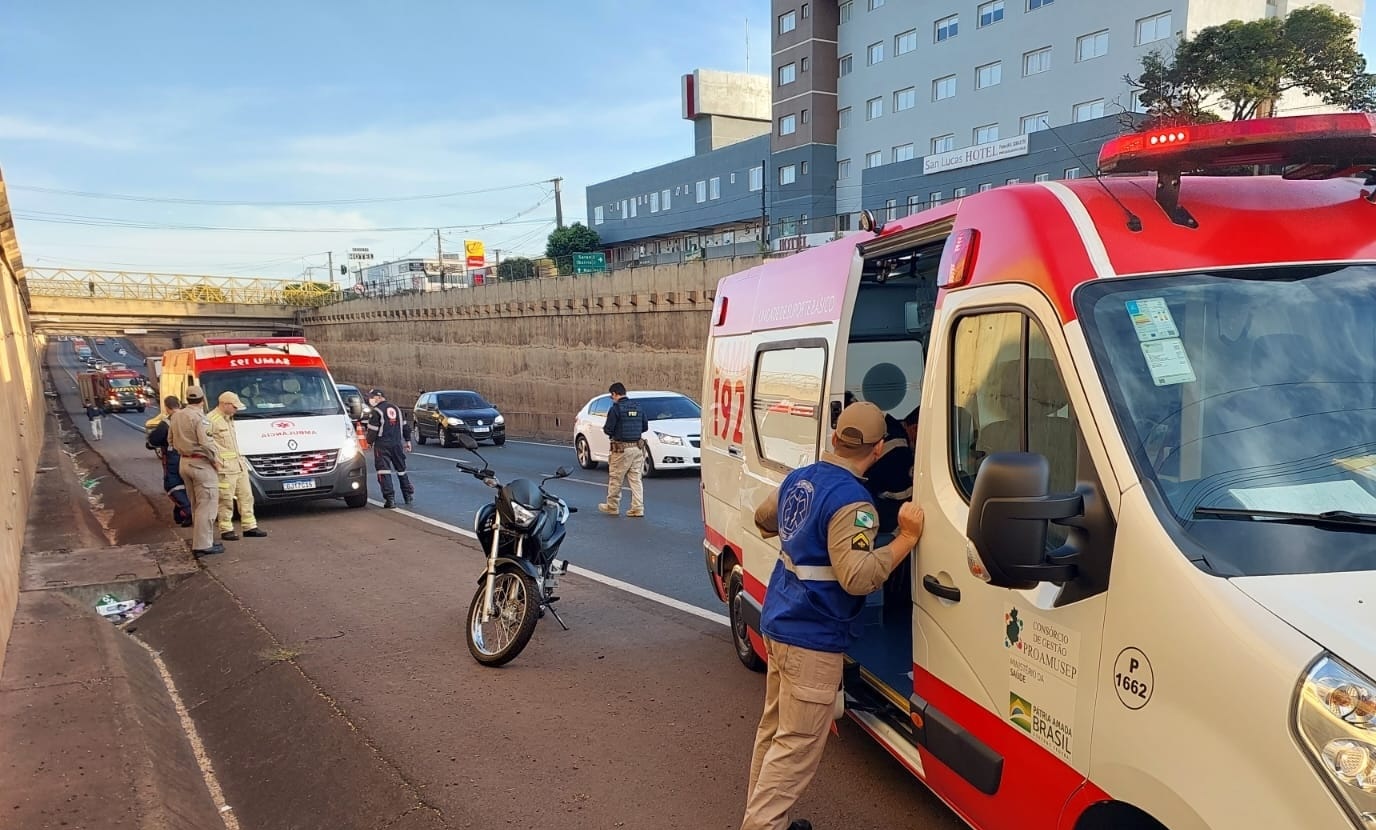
589	263
360	254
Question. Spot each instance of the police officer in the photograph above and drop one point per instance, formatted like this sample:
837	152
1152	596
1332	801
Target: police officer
189	430
390	437
234	484
625	424
172	484
826	522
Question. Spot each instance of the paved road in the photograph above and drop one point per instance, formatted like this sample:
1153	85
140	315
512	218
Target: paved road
638	717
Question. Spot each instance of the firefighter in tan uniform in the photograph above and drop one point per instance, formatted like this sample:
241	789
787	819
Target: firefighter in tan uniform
826	523
234	483
189	433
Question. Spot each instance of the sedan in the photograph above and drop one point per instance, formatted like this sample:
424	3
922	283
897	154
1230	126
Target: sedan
672	442
446	415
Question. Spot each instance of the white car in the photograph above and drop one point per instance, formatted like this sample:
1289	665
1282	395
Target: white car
672	443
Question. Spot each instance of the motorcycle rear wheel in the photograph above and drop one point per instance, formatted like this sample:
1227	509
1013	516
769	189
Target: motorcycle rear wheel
506	635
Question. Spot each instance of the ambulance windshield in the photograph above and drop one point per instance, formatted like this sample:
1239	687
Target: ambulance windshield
1248	400
275	393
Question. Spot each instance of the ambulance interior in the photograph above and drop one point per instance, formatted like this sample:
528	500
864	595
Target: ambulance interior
885	358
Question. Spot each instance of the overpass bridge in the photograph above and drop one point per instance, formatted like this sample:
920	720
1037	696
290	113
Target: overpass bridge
78	301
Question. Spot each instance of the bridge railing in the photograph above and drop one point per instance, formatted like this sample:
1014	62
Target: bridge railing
182	288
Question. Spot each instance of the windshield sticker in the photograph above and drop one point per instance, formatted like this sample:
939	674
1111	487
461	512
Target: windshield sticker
1314	498
1152	319
1167	362
1043	675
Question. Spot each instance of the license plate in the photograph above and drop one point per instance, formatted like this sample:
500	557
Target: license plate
480	429
299	484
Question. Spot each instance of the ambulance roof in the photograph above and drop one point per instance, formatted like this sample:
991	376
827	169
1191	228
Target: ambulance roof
226	350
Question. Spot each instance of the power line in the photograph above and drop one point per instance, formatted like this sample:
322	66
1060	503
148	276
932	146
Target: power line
133	224
174	200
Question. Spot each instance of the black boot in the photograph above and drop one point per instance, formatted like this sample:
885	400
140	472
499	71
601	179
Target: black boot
800	824
388	504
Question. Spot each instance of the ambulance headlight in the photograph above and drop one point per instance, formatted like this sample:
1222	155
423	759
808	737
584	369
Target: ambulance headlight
350	450
1335	717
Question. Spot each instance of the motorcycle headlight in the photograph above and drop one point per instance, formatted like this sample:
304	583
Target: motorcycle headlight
499	420
1335	716
672	440
525	517
455	422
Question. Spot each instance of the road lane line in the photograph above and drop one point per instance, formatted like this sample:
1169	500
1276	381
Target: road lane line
611	582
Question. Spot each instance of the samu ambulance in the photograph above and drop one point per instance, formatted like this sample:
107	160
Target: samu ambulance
1146	592
294	430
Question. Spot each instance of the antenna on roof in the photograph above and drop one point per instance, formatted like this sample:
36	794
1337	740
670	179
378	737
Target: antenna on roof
1134	222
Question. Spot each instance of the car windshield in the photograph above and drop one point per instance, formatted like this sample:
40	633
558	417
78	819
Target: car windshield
668	407
463	400
1248	401
275	393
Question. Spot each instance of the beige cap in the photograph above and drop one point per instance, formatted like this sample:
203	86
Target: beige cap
195	394
231	399
861	423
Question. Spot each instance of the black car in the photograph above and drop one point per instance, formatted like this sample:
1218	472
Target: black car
446	415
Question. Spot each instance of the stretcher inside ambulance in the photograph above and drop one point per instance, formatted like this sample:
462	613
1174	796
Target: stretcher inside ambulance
1146	452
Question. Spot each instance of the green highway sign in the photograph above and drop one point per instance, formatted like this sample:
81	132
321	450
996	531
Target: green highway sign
589	263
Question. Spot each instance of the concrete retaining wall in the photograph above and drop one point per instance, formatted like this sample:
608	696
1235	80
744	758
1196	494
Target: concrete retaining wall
21	413
537	349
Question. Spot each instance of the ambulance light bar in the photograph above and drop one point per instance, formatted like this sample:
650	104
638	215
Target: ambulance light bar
252	341
1311	146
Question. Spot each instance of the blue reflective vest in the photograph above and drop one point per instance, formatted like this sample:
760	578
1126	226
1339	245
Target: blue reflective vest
812	612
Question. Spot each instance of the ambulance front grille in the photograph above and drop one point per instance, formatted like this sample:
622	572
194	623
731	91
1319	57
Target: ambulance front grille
288	464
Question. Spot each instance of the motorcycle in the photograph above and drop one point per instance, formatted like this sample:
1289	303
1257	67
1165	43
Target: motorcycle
521	530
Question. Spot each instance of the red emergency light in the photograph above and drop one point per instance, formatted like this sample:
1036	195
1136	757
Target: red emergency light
1309	146
252	341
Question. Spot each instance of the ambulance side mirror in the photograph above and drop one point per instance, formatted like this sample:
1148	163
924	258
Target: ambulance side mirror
1010	510
355	404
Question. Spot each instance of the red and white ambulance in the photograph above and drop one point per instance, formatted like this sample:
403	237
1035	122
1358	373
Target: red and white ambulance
1146	593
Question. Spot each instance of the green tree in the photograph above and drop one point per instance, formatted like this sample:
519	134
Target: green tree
516	268
575	239
1243	68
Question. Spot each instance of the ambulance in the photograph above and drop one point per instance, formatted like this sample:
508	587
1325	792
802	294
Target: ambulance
1145	596
294	430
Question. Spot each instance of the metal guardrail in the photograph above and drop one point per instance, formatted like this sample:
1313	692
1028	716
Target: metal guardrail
182	288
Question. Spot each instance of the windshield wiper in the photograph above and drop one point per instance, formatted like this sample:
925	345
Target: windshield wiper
1328	518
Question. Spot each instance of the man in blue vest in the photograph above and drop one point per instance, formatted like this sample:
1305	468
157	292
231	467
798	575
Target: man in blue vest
826	523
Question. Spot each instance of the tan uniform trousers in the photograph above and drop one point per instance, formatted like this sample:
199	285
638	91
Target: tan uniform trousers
202	485
799	701
627	463
234	484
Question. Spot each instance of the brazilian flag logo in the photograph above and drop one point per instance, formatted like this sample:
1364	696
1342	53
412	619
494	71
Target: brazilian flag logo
1020	712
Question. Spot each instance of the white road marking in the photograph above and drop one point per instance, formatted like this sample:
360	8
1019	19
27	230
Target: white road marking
612	582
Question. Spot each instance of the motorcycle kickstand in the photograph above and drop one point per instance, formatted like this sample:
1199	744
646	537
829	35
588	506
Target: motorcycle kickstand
557	618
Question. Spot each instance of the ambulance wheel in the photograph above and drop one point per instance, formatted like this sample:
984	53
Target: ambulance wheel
356	500
740	632
584	454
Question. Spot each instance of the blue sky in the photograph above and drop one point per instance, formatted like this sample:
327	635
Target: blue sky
301	100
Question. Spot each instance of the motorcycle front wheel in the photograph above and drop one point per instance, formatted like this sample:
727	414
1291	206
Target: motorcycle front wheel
506	634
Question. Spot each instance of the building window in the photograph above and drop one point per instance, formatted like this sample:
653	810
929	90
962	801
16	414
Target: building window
803	117
597	215
988	75
987	133
890	210
846	8
1033	5
756	178
664	199
843	169
804	64
990	13
904	152
943	143
1089	110
934	198
905	99
874	159
788	21
1135	102
1091	46
1013	180
702	191
947	27
625	212
787	74
788	125
634	202
944	87
844	64
905	42
1071	173
876	53
1154	28
788	174
985	187
714	188
843	118
959	193
806	11
654	202
874	108
913	205
1036	62
874	4
1035	121
802	171
1042	177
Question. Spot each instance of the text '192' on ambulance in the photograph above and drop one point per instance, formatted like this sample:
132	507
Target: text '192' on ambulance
1145	596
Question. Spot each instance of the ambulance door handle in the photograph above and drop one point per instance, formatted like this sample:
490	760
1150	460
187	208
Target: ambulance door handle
734	452
950	592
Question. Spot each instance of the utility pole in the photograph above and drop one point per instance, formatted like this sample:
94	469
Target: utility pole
558	203
764	206
330	254
497	265
439	257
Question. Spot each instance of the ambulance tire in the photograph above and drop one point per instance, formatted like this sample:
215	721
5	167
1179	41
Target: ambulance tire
356	500
1116	815
740	637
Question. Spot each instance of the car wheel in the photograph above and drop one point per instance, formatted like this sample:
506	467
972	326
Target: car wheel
420	435
444	438
647	467
584	452
497	442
